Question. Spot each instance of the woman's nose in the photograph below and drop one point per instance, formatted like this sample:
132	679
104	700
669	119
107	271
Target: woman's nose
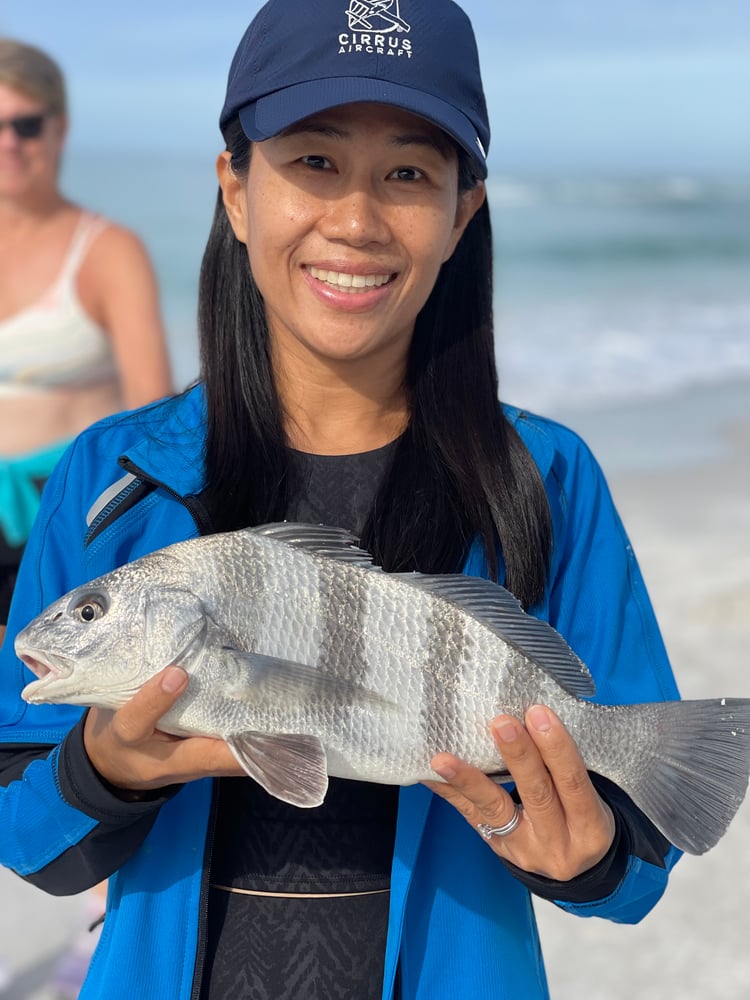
8	137
358	217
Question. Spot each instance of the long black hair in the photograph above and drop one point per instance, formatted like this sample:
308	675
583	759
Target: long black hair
459	471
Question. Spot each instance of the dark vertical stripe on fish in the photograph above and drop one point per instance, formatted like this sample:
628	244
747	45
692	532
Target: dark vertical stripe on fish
244	577
342	646
448	649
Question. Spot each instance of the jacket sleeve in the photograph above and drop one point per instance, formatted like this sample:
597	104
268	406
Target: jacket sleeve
636	842
92	845
60	826
598	601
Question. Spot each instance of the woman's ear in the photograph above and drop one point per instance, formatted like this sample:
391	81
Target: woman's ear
469	203
63	126
233	193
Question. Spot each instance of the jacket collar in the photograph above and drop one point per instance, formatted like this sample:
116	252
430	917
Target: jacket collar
534	435
170	450
175	448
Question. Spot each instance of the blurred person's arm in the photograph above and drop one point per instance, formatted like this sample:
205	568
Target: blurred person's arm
118	288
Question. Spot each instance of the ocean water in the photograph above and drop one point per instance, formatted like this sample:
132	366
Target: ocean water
607	290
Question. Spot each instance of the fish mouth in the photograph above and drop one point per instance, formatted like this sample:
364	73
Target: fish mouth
47	668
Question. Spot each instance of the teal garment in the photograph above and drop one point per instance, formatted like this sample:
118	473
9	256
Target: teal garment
19	493
460	924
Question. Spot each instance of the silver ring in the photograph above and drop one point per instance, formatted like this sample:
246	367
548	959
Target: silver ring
488	832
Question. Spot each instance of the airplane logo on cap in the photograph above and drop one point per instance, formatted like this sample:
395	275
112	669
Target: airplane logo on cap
376	15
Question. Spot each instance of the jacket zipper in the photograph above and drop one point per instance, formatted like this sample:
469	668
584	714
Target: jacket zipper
192	502
203	523
200	949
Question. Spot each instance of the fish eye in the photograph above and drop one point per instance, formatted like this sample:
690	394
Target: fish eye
89	608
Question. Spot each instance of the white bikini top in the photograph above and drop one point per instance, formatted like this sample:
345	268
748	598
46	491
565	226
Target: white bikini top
54	343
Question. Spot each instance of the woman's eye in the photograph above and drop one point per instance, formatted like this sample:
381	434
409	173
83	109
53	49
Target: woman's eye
316	162
88	611
407	174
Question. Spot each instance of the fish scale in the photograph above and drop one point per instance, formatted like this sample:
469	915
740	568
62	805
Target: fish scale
309	660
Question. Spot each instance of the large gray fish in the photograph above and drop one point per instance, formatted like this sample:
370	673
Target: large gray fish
309	661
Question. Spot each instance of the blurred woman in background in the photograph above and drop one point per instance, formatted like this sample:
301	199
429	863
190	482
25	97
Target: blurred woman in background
80	332
80	328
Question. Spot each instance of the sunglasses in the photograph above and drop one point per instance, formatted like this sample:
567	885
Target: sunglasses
25	126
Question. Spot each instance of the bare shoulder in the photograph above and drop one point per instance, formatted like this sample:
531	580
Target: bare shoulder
117	263
116	244
117	283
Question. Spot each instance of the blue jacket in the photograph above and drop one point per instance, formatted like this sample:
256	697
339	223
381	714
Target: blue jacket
460	923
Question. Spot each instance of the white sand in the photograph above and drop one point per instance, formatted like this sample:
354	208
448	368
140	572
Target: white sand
688	516
690	528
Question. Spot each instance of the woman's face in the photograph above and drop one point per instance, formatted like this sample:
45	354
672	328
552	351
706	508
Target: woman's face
28	166
347	218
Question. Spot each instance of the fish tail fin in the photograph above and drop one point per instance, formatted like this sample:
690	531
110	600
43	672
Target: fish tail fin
694	774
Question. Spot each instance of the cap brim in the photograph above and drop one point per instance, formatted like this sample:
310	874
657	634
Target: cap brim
276	112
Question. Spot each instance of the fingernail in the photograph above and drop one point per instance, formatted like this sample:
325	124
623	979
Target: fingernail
539	718
172	680
447	773
506	732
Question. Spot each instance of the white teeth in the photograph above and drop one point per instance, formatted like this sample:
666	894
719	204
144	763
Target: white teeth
349	282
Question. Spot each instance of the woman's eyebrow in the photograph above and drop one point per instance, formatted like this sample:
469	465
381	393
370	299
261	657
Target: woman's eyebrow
420	139
308	128
399	139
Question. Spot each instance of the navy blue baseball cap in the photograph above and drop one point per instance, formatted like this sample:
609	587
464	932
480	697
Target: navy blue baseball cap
300	57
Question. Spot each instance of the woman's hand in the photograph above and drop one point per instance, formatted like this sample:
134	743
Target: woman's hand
564	827
132	754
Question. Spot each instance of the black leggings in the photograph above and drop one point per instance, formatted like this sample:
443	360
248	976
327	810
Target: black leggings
8	572
10	560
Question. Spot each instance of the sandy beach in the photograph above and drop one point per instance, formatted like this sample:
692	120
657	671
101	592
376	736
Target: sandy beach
689	522
679	469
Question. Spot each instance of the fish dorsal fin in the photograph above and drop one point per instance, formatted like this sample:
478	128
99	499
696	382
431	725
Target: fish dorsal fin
498	609
319	539
488	602
290	766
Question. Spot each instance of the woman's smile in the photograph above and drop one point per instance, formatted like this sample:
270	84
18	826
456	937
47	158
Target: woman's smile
348	281
348	217
348	291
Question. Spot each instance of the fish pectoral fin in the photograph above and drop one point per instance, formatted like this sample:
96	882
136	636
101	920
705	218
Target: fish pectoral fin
290	766
269	677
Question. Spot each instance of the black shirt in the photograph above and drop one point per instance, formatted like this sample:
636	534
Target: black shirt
298	900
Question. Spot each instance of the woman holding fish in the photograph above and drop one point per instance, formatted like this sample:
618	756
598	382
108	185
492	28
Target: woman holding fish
347	378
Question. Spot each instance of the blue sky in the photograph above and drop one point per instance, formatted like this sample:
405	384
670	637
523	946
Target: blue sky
633	85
